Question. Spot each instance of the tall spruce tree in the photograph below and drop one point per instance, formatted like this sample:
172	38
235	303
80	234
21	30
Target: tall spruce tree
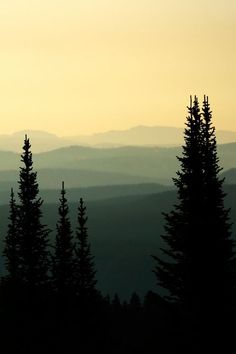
85	271
178	269
198	265
33	235
63	260
11	243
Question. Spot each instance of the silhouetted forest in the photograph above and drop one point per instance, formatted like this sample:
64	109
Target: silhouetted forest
50	301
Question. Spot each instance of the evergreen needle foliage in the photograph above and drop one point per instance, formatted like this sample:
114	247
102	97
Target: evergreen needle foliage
11	247
85	271
63	260
198	263
32	234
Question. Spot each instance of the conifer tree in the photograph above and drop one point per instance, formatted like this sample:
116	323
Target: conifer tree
33	235
85	280
198	263
178	269
11	246
63	260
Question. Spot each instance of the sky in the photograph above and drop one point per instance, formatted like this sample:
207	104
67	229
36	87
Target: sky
75	67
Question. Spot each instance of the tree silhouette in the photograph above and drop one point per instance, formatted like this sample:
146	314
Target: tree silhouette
198	265
33	235
84	272
63	260
178	269
11	244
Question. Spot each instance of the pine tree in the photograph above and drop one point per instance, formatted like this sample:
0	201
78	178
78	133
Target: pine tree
199	265
33	235
85	271
63	260
11	248
177	271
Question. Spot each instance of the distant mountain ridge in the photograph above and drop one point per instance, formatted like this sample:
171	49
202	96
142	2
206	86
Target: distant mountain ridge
88	193
81	166
135	136
51	178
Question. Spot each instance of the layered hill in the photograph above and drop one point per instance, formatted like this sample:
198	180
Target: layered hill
89	193
81	166
135	136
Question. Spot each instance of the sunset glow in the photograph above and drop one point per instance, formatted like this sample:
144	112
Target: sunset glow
77	67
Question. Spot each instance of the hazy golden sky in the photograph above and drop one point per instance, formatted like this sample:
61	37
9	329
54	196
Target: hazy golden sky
82	66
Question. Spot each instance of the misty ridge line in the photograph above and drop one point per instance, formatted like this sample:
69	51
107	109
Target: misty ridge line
150	136
83	167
